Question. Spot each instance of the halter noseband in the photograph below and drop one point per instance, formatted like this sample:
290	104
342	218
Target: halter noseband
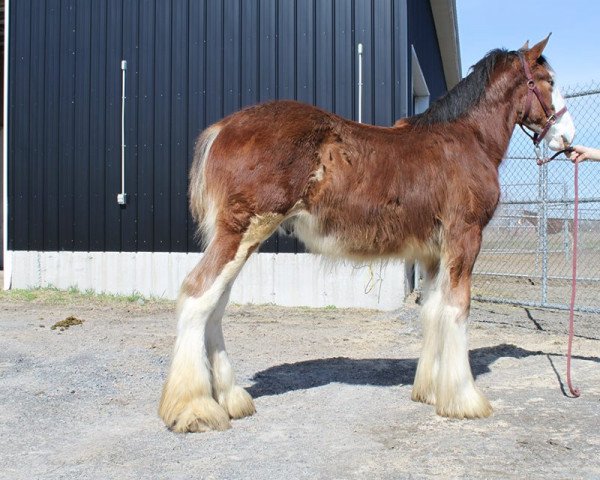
532	89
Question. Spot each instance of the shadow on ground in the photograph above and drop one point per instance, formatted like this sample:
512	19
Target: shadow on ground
371	371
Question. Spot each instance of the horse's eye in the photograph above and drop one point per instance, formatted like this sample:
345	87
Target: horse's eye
551	82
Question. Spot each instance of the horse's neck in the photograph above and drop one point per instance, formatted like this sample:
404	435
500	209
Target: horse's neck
494	119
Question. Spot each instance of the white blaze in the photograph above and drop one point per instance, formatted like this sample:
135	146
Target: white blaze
561	134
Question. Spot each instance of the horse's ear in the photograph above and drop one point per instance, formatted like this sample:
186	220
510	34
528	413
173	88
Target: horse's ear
525	46
536	51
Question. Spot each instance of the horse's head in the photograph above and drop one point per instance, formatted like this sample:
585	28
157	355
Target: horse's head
543	108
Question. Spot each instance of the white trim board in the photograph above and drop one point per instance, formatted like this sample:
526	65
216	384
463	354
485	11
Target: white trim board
419	84
283	279
446	26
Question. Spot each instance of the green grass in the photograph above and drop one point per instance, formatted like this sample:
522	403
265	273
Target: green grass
54	295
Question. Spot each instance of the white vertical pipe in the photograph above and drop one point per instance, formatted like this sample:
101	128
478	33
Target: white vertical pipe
122	197
360	82
5	257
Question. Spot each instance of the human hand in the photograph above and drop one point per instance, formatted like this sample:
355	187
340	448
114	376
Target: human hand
581	153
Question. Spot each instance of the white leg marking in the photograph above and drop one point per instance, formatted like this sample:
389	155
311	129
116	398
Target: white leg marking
428	366
456	393
443	376
234	399
187	402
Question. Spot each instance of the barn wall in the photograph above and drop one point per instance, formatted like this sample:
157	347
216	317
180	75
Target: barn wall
423	36
189	63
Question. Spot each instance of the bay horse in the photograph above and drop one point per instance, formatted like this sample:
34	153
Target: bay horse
423	189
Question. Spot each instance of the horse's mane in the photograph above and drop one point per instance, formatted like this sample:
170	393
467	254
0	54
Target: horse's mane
467	93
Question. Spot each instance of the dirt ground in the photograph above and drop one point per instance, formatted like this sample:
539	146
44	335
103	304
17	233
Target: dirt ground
332	389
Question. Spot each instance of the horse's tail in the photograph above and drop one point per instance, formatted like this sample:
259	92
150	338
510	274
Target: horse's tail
201	206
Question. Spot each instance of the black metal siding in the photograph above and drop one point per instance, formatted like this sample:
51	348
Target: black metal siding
190	63
422	35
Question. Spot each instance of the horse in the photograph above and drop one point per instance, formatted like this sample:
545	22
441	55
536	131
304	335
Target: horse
422	189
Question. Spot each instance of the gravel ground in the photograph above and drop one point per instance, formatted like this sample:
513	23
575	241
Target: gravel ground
332	389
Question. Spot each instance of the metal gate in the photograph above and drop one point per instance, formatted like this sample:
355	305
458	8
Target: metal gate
526	254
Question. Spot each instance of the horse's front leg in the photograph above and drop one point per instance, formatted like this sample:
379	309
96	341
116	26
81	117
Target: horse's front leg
456	393
425	382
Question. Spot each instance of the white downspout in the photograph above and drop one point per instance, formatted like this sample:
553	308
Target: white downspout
360	81
122	197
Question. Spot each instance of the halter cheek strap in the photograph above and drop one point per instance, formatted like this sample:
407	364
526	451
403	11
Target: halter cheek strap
532	90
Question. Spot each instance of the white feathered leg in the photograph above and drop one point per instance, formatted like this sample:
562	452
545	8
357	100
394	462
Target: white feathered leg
236	401
456	393
188	400
428	366
443	376
424	385
187	403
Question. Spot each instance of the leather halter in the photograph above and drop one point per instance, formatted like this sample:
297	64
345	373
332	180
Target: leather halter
532	89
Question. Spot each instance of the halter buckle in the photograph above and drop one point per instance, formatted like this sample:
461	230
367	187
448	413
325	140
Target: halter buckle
530	84
552	119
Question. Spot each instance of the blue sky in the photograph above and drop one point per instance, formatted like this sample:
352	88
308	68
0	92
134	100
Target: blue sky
573	50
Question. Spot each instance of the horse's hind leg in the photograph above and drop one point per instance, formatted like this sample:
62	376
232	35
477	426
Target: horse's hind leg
187	403
236	401
188	399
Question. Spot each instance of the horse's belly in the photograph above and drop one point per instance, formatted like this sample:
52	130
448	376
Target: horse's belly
306	228
350	240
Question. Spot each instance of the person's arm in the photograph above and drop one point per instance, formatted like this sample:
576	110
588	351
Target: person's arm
581	153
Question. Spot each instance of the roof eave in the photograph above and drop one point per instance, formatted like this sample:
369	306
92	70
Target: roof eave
446	25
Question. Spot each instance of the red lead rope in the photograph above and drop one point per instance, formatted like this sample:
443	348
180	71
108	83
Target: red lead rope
541	161
574	391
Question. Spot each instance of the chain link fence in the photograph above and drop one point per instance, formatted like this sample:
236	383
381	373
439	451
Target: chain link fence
527	249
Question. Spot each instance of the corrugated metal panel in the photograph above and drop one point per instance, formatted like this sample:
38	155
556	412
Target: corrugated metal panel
19	191
81	212
422	35
179	115
130	215
189	64
98	120
196	91
161	43
114	54
36	136
51	128
146	127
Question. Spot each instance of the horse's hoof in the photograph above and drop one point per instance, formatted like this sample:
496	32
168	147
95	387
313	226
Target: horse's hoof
423	397
198	415
238	403
471	404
